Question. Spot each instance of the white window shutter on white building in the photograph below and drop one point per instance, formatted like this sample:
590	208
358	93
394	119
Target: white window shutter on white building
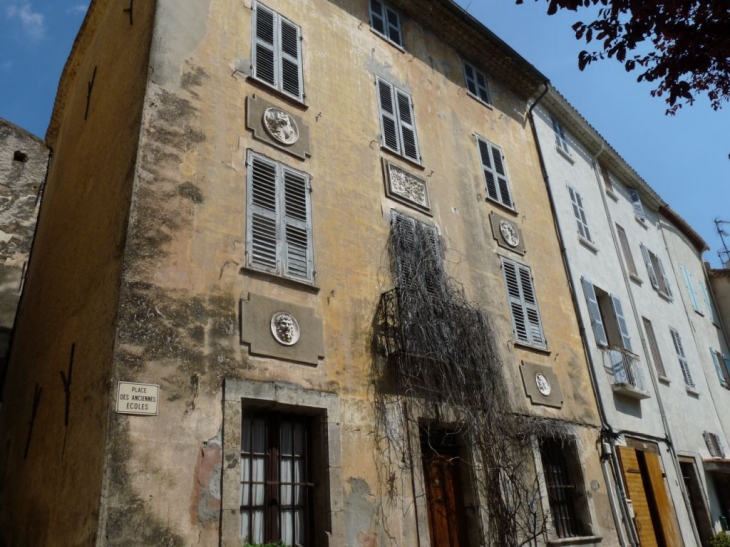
690	288
621	321
649	267
594	312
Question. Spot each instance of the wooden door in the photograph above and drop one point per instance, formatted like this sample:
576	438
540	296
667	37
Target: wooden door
665	508
445	500
637	494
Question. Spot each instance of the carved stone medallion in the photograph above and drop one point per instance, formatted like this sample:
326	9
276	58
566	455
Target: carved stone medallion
285	328
543	384
509	233
280	126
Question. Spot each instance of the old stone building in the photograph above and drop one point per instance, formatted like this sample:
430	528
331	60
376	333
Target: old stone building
23	161
297	277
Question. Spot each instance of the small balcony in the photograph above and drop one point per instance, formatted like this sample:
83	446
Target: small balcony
627	376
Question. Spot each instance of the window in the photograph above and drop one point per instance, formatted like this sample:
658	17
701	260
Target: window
708	302
638	206
276	488
560	140
683	364
397	123
690	289
714	444
722	366
628	257
418	257
279	225
495	172
607	317
607	182
476	83
277	52
654	347
523	304
563	481
653	265
386	21
580	214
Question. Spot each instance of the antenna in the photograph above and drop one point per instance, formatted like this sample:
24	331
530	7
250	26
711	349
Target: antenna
724	254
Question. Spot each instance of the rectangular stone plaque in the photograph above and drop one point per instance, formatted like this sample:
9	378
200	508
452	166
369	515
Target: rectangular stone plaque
406	187
140	399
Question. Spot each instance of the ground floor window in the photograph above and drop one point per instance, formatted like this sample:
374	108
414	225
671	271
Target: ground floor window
276	488
564	486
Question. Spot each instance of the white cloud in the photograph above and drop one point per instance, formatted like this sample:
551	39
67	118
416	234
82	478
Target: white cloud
33	22
78	8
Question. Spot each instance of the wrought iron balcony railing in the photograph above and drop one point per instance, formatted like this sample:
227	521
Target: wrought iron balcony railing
628	378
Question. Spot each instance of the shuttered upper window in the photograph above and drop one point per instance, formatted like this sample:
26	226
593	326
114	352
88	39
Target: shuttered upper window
609	329
560	140
654	347
279	225
636	203
626	248
397	123
386	21
708	302
495	172
418	257
526	321
476	83
277	52
722	366
691	289
656	272
681	356
580	214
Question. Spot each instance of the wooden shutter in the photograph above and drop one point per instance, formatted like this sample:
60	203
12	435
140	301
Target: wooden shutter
708	302
719	363
523	304
296	226
623	240
621	321
690	289
683	364
649	267
265	59
580	215
388	122
665	508
262	232
407	125
665	279
654	347
635	489
636	202
537	337
594	312
291	59
495	174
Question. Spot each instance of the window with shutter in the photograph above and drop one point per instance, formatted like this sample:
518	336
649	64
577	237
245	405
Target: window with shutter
397	123
386	22
628	257
636	203
580	214
560	140
657	274
720	368
690	289
526	321
683	364
277	52
418	257
714	445
607	182
476	83
495	173
708	302
654	347
279	225
594	312
621	322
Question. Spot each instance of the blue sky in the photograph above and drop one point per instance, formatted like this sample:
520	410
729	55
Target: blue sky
684	158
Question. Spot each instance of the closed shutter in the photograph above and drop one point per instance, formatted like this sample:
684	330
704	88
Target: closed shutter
683	364
537	337
621	321
405	228
726	362
654	347
418	258
708	302
624	241
519	318
719	363
495	174
650	267
636	202
594	312
407	127
580	215
298	234
665	279
690	289
388	123
523	304
637	493
291	61
265	58
262	231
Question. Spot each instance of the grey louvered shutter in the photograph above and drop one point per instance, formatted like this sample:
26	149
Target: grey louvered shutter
388	121
265	59
594	312
408	139
514	294
726	362
405	229
262	234
636	202
537	337
649	267
296	226
580	215
710	445
623	328
683	364
291	59
431	255
708	302
665	279
495	175
630	264
718	361
690	288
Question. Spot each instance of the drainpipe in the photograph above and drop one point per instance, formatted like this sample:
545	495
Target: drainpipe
645	347
608	451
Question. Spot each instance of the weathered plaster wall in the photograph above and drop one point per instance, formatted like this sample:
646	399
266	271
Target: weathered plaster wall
52	451
23	162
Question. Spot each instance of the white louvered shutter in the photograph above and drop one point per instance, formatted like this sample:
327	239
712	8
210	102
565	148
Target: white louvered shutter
580	215
262	232
683	364
630	264
537	337
649	267
594	312
495	174
296	226
291	59
690	288
719	363
408	136
623	328
514	294
560	139
636	202
265	59
665	279
388	121
708	302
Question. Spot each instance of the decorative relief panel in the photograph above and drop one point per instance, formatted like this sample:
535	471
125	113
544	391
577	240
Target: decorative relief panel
405	186
541	385
277	127
507	233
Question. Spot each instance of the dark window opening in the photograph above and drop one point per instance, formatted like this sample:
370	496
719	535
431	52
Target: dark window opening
20	156
564	487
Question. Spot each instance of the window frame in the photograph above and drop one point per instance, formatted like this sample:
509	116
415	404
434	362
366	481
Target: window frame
397	118
282	222
660	281
561	140
533	327
387	24
654	347
579	213
466	65
626	248
682	358
499	188
279	55
405	277
637	204
722	367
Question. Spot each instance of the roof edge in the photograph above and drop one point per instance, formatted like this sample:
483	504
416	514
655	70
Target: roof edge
25	132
